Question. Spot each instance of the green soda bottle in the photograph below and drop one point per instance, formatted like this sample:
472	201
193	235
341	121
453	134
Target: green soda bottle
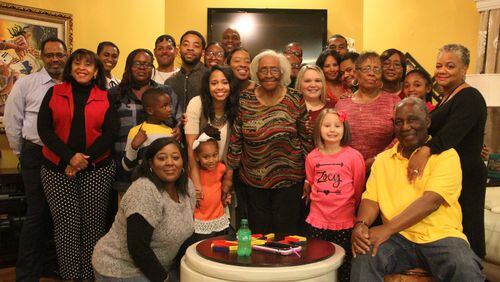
244	239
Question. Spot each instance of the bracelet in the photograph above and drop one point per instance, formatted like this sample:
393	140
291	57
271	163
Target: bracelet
361	222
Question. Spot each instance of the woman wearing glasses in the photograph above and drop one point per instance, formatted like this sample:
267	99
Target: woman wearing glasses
214	55
268	142
127	100
393	71
329	62
370	110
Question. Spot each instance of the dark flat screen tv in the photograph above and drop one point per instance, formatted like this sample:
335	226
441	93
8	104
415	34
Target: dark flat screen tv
262	29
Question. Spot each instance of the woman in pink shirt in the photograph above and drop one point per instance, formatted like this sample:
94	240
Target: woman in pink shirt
335	177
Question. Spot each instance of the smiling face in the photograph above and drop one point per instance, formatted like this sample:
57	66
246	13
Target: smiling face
219	86
331	69
142	68
54	57
191	49
338	44
347	68
109	57
450	71
208	155
392	69
410	127
311	85
416	85
214	55
165	53
332	129
230	40
269	73
240	64
167	164
83	70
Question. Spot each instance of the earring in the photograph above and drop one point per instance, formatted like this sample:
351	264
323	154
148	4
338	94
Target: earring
355	83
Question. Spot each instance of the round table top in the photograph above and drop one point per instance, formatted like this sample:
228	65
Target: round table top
315	250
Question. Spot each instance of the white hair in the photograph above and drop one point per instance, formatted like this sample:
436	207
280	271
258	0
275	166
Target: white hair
458	49
285	67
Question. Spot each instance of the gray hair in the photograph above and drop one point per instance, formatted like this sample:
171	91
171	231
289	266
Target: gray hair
460	50
285	67
416	102
300	76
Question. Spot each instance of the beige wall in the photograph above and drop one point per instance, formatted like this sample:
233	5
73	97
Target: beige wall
130	24
420	27
344	16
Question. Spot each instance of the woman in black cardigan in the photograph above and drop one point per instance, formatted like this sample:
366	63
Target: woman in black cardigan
77	125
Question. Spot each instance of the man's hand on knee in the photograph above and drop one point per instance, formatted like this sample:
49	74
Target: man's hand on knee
378	235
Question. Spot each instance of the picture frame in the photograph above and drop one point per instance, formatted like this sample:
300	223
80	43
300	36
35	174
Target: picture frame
22	30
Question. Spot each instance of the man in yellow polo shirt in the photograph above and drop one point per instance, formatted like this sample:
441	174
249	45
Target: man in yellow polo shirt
421	220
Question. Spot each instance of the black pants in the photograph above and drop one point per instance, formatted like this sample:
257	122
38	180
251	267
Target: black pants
339	237
36	247
79	207
274	210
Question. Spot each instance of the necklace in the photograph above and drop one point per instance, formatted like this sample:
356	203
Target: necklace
219	121
452	93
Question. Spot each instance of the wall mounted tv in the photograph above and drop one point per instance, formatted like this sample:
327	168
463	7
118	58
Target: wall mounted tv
262	29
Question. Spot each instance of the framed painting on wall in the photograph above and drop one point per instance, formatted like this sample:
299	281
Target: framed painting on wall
22	30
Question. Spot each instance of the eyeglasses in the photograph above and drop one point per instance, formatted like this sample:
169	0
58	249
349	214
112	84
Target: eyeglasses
367	69
54	55
146	65
395	65
296	53
295	66
272	70
215	54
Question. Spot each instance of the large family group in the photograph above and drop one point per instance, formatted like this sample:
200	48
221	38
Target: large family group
350	149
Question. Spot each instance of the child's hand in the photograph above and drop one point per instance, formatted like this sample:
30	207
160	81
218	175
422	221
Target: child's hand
198	193
139	139
177	134
184	119
226	198
306	190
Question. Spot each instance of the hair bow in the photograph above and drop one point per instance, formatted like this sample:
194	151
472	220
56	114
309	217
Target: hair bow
342	116
201	139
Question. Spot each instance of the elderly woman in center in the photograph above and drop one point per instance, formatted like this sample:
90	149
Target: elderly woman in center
269	142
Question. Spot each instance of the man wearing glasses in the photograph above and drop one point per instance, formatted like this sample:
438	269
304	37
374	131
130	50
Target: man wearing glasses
294	48
214	55
21	113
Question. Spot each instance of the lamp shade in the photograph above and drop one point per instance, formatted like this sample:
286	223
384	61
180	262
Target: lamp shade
488	85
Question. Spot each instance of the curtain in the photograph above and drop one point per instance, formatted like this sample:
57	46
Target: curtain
489	62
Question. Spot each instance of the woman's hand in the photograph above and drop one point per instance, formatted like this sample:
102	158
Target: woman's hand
79	161
139	139
485	152
417	162
70	171
360	239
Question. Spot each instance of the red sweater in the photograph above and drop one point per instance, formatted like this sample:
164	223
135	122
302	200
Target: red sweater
62	107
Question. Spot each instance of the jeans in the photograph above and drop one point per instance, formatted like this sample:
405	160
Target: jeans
448	259
36	232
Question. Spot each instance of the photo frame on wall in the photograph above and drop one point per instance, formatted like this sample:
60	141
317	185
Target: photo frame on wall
22	30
